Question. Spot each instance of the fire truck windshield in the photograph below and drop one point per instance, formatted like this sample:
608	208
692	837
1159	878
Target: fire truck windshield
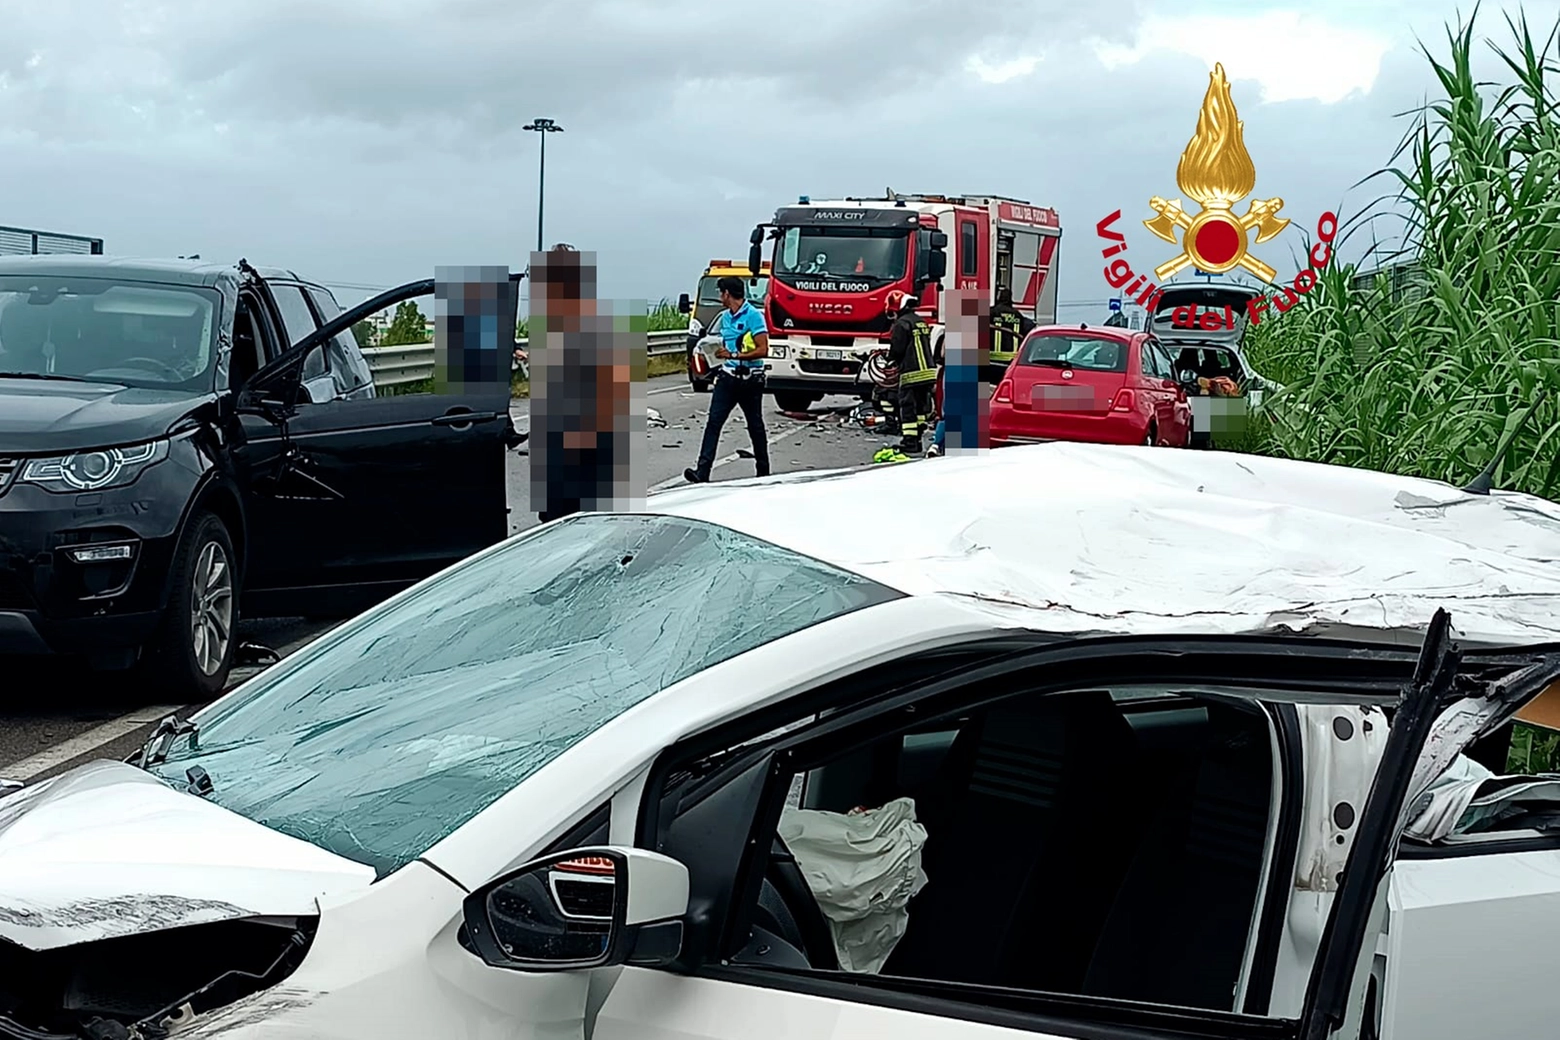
853	254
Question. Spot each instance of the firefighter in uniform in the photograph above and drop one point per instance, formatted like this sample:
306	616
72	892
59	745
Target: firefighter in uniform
910	352
1008	329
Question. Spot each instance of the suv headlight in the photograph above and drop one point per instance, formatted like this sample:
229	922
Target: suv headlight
94	470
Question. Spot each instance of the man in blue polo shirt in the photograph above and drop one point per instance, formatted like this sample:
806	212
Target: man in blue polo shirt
739	382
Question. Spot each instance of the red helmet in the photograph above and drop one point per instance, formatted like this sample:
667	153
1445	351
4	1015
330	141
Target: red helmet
897	301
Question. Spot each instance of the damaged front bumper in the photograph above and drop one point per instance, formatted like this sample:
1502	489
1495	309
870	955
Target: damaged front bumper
130	909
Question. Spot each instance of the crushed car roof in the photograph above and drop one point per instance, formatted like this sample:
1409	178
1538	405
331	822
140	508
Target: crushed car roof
1076	538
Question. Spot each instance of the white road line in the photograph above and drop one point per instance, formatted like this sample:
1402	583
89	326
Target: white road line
669	389
84	743
775	437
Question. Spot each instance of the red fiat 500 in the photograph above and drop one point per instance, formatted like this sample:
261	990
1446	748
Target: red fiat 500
1100	384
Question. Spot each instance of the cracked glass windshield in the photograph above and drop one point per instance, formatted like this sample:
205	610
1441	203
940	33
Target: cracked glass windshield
408	722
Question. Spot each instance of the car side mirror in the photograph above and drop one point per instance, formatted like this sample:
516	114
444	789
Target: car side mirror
586	908
684	304
276	402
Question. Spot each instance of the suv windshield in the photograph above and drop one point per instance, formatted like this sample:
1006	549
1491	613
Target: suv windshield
99	330
386	736
1083	352
848	254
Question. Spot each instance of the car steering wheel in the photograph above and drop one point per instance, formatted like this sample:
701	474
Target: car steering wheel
178	377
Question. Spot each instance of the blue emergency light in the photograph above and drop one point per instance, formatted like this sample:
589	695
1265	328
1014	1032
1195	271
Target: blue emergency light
803	200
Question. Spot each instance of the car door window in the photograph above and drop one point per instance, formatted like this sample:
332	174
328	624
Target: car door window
298	318
344	358
1100	842
1146	360
296	313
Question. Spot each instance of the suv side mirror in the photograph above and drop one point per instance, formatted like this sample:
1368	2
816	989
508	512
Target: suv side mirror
586	908
684	304
276	402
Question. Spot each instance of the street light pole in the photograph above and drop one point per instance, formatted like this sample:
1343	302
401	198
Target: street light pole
543	127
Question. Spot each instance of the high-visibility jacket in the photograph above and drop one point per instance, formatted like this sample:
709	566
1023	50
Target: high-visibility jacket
910	349
1008	329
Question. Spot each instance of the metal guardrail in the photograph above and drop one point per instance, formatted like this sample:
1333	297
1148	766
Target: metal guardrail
413	362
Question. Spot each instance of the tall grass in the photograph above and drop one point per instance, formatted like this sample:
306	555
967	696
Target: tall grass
1430	382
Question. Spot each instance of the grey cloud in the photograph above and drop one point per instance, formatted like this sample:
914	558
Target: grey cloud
480	68
369	140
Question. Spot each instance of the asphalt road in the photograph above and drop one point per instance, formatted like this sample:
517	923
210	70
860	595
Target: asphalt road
53	717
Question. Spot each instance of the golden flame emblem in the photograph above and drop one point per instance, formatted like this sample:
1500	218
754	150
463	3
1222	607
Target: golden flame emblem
1216	172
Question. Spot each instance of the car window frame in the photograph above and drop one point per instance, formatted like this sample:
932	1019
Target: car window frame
1146	365
279	289
960	1002
345	341
1166	362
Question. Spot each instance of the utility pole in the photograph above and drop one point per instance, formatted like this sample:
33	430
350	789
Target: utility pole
543	127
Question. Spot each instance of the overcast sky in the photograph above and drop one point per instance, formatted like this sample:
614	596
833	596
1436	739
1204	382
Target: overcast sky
363	142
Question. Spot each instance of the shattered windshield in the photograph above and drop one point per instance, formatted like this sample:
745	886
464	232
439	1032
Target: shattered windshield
392	732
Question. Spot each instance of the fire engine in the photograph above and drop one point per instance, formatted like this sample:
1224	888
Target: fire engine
835	261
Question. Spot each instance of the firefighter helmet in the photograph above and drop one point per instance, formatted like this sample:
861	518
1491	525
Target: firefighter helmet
897	301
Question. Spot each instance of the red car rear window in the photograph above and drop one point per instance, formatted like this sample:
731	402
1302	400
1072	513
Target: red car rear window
1089	353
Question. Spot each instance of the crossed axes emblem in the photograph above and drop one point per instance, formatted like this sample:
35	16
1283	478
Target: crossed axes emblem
1261	214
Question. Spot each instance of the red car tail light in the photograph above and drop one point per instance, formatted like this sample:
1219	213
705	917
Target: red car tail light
1004	394
1124	401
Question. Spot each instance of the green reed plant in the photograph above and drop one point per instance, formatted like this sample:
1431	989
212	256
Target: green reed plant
1428	382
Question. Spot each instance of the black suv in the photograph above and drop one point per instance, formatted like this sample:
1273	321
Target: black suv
183	441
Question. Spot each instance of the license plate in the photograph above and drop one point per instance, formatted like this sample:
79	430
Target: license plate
829	355
1063	398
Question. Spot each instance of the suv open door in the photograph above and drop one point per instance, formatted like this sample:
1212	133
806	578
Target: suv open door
351	500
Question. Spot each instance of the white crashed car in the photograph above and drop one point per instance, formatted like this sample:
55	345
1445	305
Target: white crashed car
1146	758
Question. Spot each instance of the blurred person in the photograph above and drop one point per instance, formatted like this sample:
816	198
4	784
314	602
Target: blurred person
522	355
1008	329
583	373
961	405
739	382
910	353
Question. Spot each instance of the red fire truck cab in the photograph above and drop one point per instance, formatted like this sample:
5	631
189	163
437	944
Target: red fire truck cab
835	261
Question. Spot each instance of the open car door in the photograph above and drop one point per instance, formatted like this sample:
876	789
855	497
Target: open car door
714	809
1448	706
353	500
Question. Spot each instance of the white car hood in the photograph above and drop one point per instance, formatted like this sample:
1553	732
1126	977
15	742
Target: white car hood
108	850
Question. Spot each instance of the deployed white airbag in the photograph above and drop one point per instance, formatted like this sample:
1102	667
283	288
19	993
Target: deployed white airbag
1468	799
863	867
